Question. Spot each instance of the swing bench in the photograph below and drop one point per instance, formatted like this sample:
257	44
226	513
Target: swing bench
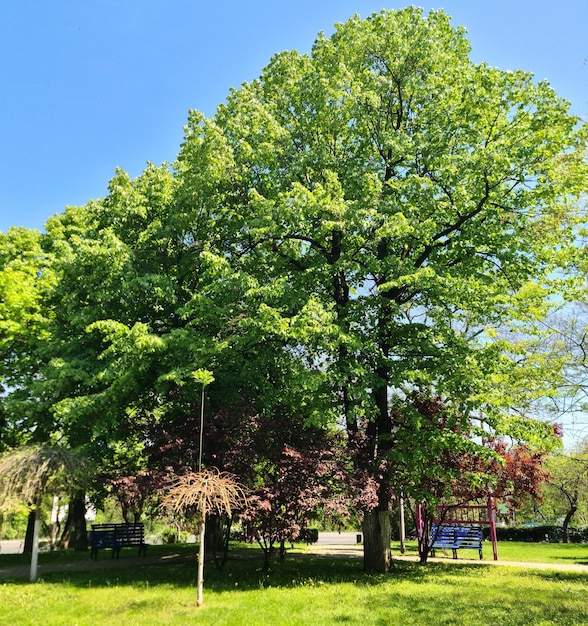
459	527
455	537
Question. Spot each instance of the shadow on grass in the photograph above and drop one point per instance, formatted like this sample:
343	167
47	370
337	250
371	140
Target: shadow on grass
244	572
575	560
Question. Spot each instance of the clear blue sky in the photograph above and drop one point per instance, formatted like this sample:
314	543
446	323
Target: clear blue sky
89	85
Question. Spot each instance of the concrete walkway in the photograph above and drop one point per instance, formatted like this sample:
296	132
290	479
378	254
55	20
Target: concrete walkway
22	571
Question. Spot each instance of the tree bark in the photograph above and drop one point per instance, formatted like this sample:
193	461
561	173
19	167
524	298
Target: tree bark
200	581
75	534
566	523
571	496
29	536
78	539
377	531
218	530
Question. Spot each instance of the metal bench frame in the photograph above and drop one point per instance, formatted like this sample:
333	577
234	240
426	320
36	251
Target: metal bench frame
117	536
471	516
456	537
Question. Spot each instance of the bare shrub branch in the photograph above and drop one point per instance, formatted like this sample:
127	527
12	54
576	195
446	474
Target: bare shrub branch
205	491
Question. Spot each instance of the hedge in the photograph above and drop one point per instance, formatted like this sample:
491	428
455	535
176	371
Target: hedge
538	533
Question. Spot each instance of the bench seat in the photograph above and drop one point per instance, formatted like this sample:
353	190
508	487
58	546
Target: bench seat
456	537
117	536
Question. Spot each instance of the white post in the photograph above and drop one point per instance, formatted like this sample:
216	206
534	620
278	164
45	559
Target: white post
201	560
35	551
203	519
402	527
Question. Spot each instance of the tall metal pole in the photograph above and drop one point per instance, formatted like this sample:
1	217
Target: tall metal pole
402	527
202	529
201	429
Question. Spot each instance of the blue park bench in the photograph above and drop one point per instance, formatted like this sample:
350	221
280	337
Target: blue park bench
117	536
456	537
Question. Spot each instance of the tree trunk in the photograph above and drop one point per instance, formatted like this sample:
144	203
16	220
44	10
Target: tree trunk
423	532
75	534
78	539
572	498
200	582
215	534
377	529
218	531
401	525
28	543
566	523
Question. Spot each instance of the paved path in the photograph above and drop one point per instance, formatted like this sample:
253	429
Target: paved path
22	571
11	546
357	552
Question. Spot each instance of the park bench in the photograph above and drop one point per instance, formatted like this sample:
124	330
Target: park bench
456	537
117	536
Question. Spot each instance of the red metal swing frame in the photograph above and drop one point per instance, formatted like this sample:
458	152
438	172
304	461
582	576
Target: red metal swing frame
467	515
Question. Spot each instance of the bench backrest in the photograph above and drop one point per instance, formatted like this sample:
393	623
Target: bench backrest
109	534
456	535
128	532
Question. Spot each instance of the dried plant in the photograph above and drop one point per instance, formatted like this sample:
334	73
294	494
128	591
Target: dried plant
29	472
205	491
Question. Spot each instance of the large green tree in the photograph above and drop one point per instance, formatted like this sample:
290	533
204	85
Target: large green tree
138	306
392	203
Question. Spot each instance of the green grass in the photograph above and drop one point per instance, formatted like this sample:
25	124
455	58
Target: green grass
300	591
69	556
520	551
540	552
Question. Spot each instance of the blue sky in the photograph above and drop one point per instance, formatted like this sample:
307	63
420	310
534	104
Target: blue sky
89	85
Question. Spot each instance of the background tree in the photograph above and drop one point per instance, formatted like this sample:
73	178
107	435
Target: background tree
296	473
293	472
25	276
567	489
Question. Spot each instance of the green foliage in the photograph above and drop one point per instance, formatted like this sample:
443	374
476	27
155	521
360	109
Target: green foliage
396	209
539	533
566	492
389	240
25	277
13	525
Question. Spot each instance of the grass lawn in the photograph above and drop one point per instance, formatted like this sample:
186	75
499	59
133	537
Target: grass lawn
519	551
303	590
